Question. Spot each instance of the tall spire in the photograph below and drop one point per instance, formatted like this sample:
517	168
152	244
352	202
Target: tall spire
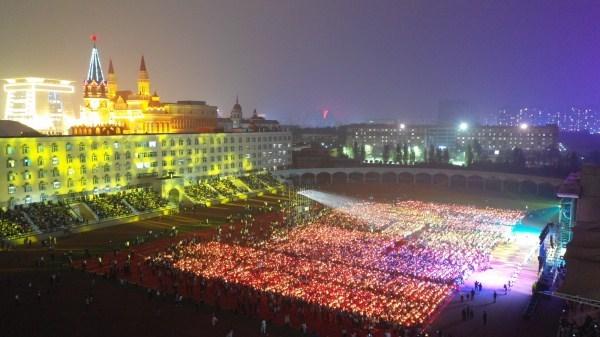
112	81
95	73
142	64
111	70
143	80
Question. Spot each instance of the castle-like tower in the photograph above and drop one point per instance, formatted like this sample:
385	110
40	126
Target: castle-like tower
112	81
236	114
143	81
95	91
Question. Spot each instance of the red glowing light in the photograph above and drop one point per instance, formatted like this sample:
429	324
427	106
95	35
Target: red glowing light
93	37
325	113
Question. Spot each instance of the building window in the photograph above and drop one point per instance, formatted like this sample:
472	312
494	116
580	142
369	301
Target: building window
83	170
12	189
69	146
54	147
69	182
40	148
83	181
106	167
55	172
42	186
81	147
82	158
26	175
94	157
69	159
70	171
107	179
56	184
40	161
127	155
25	149
26	162
41	173
27	187
106	157
10	150
10	176
95	180
55	161
128	176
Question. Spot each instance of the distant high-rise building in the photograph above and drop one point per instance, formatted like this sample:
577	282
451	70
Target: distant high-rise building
523	115
574	119
37	102
578	119
453	112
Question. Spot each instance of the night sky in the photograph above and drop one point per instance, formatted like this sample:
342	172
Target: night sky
291	60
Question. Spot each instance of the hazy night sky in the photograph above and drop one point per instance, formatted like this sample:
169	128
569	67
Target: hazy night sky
360	60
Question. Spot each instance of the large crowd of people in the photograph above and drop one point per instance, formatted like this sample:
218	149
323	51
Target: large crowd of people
201	192
13	223
108	206
217	188
386	264
144	199
52	215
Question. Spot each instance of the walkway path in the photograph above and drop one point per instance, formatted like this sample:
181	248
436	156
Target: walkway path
505	317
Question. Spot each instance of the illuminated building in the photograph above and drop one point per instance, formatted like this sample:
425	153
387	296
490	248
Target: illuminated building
126	139
237	123
41	168
139	111
574	119
37	102
495	141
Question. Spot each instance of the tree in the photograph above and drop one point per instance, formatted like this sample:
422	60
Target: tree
477	150
363	152
438	155
469	155
574	163
518	158
446	156
405	154
431	154
398	154
412	156
386	153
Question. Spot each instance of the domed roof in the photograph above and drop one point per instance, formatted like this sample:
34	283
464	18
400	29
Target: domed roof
237	106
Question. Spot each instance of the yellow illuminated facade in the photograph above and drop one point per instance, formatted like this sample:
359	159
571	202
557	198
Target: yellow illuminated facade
37	169
137	111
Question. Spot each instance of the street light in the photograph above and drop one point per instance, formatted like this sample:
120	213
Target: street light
524	126
463	126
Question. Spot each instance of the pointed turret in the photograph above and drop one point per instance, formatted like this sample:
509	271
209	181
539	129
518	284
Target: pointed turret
95	93
143	81
111	69
95	73
142	64
94	84
112	81
236	114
